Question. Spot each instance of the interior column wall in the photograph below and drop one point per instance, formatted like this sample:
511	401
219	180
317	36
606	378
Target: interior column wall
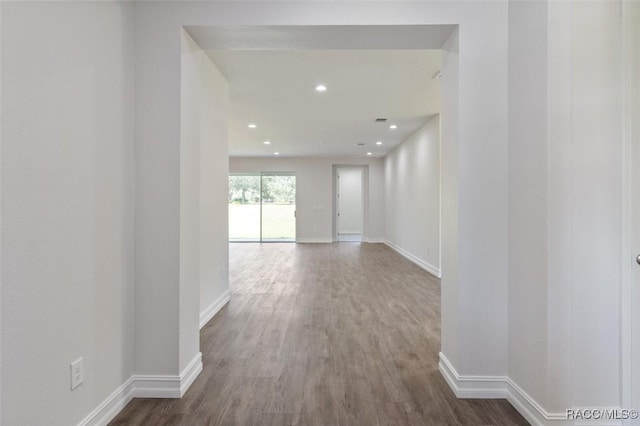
528	194
449	190
204	252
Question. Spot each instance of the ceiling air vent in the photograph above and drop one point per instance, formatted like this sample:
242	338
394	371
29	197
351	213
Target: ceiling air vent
360	144
380	120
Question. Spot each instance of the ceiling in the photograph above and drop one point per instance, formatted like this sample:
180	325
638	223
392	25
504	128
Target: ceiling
275	89
323	37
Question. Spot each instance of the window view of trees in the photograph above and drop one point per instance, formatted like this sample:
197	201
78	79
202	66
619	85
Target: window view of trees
244	189
275	189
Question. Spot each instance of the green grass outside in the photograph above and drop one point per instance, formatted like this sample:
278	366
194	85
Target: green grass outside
278	222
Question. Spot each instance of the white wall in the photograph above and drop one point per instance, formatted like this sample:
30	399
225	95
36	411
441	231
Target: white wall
350	200
631	291
565	172
528	212
1	239
412	195
449	198
584	270
314	192
214	190
204	169
67	207
204	252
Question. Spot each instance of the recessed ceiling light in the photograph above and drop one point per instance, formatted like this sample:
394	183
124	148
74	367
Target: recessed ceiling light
252	126
393	126
321	88
378	143
267	142
369	153
276	153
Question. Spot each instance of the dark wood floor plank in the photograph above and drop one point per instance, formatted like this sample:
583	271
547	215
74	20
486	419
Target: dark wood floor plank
322	334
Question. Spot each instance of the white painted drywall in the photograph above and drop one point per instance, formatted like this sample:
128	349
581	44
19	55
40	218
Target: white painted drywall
214	186
449	200
203	189
590	249
157	115
631	272
1	246
412	194
67	207
528	213
190	142
565	203
314	192
350	200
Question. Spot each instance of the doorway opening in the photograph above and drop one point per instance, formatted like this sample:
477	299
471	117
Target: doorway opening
262	207
349	204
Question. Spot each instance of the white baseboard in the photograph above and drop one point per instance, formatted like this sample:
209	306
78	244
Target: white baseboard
110	407
314	240
190	373
373	240
479	387
502	387
144	386
421	263
211	310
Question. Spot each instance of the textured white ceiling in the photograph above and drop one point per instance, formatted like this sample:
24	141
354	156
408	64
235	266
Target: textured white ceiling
275	90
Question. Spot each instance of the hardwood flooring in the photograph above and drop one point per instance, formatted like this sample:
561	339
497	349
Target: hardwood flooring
322	334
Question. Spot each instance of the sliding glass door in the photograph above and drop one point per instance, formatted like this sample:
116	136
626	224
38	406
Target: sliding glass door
262	207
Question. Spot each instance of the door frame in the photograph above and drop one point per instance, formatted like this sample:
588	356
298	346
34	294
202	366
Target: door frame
365	198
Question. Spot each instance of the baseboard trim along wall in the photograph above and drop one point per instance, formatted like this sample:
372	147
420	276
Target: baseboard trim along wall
421	263
144	386
502	387
373	240
314	240
210	311
111	406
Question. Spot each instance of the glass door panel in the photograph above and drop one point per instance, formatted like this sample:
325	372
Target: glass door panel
244	207
262	207
278	207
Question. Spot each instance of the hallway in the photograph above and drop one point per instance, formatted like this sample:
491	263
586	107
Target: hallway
322	334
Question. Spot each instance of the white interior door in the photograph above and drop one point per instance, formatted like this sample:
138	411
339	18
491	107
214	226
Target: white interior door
350	217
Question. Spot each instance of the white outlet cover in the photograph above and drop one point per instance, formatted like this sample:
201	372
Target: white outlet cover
77	373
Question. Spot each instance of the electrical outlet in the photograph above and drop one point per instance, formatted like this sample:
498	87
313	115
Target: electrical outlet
77	373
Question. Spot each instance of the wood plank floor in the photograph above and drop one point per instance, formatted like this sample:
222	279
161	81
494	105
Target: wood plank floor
322	334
